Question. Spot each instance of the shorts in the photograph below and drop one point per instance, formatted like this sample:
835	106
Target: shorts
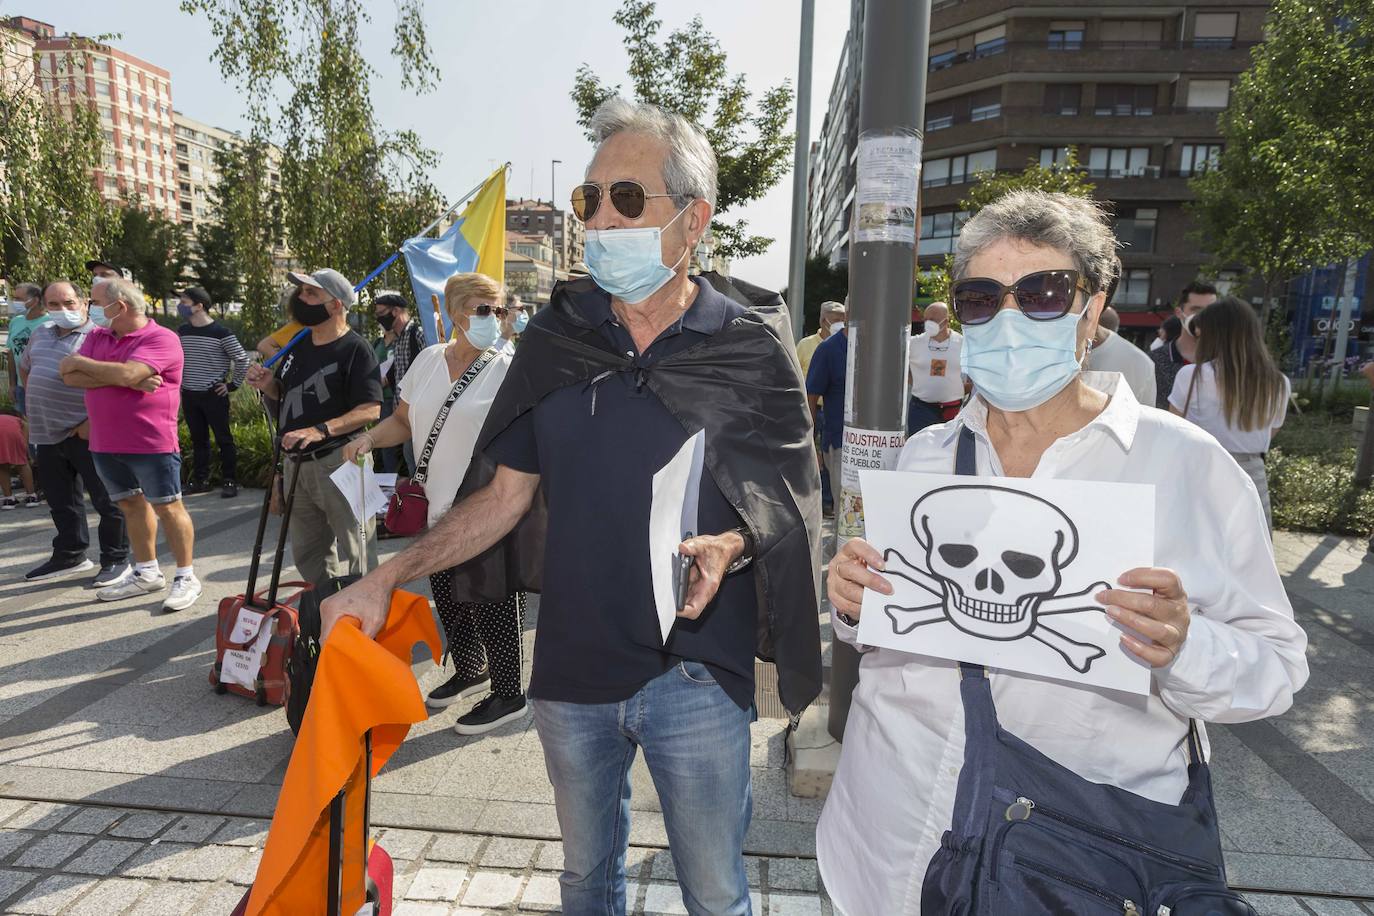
156	476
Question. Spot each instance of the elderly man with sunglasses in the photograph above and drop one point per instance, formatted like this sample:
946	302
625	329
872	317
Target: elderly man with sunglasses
1210	618
607	385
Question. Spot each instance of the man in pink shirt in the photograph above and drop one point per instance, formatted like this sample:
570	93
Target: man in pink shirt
131	367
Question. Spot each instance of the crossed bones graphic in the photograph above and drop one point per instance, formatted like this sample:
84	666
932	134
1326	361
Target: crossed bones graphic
1010	566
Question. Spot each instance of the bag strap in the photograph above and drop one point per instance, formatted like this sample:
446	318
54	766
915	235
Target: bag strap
1192	383
478	364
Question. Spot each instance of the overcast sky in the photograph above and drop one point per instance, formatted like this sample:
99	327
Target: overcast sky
506	70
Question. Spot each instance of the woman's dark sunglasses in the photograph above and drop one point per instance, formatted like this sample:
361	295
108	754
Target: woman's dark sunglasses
1041	296
482	311
627	197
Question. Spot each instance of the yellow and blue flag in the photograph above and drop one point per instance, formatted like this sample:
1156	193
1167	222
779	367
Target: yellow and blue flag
476	242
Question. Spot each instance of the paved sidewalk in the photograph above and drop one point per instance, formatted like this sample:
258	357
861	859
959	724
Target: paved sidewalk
127	785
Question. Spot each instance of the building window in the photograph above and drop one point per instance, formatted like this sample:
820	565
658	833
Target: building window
1132	33
1062	98
939	122
937	173
1066	36
1214	30
1118	162
1135	228
1134	288
943	55
1054	156
1209	94
1124	99
986	111
990	41
939	231
1198	157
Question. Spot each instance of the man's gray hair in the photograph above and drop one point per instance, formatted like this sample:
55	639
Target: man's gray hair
125	291
832	306
1077	226
689	171
28	291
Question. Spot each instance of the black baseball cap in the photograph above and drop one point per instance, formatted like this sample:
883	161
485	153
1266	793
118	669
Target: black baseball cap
122	271
197	295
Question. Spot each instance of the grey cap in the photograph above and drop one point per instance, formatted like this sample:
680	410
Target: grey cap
329	280
832	306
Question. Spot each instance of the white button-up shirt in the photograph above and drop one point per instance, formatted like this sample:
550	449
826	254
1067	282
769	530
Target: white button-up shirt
1244	657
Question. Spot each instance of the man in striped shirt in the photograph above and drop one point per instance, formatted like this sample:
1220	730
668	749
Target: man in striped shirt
216	364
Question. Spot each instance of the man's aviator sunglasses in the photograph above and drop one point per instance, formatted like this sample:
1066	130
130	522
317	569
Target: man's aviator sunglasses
627	197
1041	296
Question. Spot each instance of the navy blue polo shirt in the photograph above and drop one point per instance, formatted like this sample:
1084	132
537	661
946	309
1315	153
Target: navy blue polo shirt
597	639
826	378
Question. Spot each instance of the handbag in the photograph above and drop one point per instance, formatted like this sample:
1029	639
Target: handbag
407	512
1029	836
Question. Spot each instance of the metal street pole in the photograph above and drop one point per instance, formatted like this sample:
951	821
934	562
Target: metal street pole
796	280
553	194
1342	317
882	271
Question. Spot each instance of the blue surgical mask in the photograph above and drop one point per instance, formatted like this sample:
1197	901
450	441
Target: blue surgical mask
628	263
99	317
18	306
521	320
67	319
483	330
1016	363
184	310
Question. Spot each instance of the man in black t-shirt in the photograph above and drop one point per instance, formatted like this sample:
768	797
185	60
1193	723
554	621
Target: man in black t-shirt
326	387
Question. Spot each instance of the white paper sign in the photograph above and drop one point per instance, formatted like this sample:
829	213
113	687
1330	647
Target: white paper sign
863	450
241	666
1002	571
355	483
888	173
673	519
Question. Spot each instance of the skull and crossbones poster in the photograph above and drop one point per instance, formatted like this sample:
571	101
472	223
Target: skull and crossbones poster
1003	571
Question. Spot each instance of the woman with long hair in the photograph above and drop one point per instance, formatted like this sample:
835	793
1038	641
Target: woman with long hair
1234	390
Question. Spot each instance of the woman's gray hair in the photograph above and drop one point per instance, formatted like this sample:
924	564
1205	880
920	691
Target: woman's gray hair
125	291
1077	226
689	171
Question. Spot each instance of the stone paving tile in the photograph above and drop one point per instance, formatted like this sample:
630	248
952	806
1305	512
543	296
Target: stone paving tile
550	856
793	875
417	908
13	840
51	851
155	861
793	905
541	893
492	889
112	895
241	832
91	820
456	847
437	883
195	828
42	816
11	881
221	899
169	898
405	844
102	857
49	896
504	852
1335	908
1276	905
244	873
142	826
9	807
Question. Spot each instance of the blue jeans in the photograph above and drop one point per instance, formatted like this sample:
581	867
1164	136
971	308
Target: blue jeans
696	743
156	476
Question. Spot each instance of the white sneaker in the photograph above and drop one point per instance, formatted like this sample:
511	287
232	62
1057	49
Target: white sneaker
133	586
185	591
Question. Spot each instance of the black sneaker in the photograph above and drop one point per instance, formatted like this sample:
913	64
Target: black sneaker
110	573
229	490
55	567
456	688
490	713
197	486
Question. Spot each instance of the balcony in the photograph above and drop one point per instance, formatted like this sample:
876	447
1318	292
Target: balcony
953	71
1012	122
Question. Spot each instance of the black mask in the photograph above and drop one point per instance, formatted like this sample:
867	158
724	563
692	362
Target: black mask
386	321
307	314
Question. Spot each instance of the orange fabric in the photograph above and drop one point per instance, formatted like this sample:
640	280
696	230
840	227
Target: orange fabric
360	685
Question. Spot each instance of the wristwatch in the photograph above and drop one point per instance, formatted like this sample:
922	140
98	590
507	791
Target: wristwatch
323	429
747	556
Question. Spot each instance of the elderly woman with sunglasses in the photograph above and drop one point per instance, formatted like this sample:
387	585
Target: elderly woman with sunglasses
1210	618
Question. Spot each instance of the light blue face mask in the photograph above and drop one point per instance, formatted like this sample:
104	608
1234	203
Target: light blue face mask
628	263
1016	363
67	319
18	306
521	320
483	330
99	317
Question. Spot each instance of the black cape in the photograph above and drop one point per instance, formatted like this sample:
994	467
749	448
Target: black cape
743	385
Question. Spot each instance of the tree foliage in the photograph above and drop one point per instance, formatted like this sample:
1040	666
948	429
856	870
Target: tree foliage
249	208
350	191
52	217
216	265
1293	187
150	245
824	283
687	73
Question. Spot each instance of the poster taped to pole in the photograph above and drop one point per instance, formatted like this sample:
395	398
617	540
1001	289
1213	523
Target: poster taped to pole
864	450
889	173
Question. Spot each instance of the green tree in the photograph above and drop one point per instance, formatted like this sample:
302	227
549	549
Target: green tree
216	264
249	208
824	283
52	218
151	246
687	74
349	190
1287	193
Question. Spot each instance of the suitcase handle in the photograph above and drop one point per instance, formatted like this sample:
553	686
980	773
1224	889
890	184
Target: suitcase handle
269	614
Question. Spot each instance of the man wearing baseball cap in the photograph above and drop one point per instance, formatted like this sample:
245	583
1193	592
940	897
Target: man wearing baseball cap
104	270
326	387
